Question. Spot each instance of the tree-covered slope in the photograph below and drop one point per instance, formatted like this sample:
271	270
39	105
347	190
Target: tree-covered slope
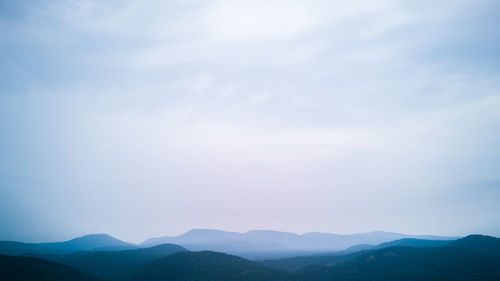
410	263
13	268
206	266
115	264
296	263
479	243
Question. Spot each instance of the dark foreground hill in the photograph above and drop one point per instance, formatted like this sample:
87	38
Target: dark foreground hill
479	243
114	264
33	269
206	266
410	263
330	259
84	243
412	242
296	263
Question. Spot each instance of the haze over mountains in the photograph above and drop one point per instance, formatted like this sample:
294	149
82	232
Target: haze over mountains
255	244
246	244
474	257
277	241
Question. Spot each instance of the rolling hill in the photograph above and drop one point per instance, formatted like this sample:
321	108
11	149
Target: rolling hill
206	266
407	263
112	265
479	243
329	259
84	243
464	259
13	268
412	242
295	263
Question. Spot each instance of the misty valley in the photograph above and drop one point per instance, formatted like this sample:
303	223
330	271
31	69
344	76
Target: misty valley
203	254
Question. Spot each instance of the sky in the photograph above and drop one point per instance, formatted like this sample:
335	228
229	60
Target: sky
149	118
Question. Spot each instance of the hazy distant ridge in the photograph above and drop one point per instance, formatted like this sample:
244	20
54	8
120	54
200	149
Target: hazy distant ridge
84	243
268	240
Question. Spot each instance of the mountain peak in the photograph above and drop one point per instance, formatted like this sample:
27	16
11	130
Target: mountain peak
479	243
203	230
94	241
94	236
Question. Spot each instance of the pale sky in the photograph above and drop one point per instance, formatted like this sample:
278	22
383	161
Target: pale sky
150	118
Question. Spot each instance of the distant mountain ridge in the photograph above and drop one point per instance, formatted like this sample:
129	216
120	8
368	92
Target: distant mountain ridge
410	242
268	240
84	243
254	244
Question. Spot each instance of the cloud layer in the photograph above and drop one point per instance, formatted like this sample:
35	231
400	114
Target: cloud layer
154	117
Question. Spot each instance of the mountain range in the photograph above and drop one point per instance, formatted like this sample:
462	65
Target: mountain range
277	242
474	257
255	244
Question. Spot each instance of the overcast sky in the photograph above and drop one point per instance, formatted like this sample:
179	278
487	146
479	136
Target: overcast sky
150	118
